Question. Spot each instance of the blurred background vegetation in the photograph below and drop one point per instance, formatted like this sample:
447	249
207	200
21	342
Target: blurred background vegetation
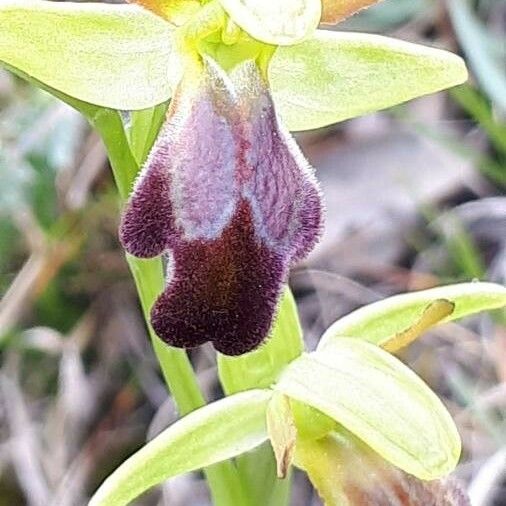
415	198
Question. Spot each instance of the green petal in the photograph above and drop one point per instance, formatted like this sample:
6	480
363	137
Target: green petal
117	56
335	76
214	433
381	321
278	22
380	400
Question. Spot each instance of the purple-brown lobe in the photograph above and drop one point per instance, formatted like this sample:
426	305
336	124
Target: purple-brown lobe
227	194
187	185
148	220
282	189
224	290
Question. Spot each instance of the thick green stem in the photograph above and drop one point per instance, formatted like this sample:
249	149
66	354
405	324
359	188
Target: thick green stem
223	479
174	363
176	368
260	369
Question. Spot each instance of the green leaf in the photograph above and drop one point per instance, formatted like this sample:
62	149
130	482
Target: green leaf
276	22
335	76
125	153
257	470
261	368
148	274
380	321
214	433
483	57
117	56
380	400
143	130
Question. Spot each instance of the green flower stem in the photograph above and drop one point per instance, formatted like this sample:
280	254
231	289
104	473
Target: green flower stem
261	369
257	471
175	365
223	478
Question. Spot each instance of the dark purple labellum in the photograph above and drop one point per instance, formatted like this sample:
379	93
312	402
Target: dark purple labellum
225	289
228	194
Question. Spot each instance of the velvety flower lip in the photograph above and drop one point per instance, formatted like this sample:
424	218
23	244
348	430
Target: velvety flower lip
224	290
227	195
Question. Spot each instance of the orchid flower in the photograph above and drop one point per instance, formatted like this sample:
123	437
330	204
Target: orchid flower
225	194
362	425
228	193
219	189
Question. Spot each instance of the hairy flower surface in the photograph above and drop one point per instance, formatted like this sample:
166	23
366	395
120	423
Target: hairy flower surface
227	195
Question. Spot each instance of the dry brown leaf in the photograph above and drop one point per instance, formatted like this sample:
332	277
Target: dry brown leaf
434	313
282	432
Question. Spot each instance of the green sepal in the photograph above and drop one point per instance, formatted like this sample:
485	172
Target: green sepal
122	57
115	56
335	76
311	423
279	22
381	401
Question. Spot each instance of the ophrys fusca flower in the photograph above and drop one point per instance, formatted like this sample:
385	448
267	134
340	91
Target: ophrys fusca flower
228	198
